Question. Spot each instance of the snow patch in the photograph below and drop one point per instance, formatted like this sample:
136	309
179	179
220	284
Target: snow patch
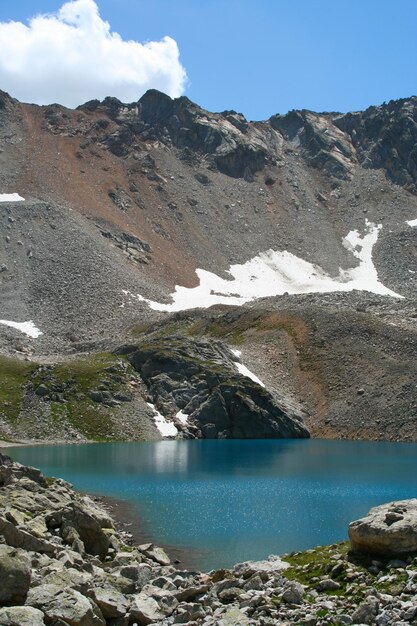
10	197
273	273
166	428
28	328
242	369
182	417
412	223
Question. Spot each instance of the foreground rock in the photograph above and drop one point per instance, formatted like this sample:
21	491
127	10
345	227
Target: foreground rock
388	530
81	582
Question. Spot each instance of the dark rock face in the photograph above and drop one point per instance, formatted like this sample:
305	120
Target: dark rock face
386	137
226	138
322	144
382	137
199	378
189	127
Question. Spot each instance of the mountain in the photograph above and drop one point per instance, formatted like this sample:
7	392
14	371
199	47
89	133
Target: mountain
292	242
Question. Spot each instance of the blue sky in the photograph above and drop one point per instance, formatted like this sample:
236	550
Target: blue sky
266	56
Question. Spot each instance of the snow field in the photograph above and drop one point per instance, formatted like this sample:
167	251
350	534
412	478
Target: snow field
10	197
28	328
274	273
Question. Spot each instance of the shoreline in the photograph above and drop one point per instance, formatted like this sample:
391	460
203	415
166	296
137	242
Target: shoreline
125	515
93	574
27	443
128	521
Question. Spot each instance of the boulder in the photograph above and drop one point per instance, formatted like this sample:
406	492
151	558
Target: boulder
366	612
234	617
69	577
88	527
21	616
111	602
155	553
294	593
65	606
272	565
387	530
145	610
140	573
15	576
20	538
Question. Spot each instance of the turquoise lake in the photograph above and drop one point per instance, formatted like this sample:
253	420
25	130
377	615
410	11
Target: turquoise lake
231	500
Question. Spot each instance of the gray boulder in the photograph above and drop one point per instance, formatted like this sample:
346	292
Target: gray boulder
145	610
234	617
65	606
111	602
88	527
388	530
294	593
21	616
69	577
272	565
19	538
155	553
366	612
14	576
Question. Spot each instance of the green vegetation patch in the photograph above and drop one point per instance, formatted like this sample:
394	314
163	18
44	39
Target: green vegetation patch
71	391
353	572
325	562
14	375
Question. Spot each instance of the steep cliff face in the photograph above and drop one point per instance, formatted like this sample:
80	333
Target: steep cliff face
385	137
124	202
199	380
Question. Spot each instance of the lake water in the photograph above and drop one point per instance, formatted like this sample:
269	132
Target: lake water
231	500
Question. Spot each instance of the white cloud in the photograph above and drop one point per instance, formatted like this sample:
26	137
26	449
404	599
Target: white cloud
72	56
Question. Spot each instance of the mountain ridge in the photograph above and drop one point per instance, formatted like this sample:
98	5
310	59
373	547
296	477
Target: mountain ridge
124	202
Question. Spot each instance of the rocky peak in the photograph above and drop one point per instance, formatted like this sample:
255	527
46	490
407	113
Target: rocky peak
321	143
109	105
227	141
385	137
6	100
222	136
380	137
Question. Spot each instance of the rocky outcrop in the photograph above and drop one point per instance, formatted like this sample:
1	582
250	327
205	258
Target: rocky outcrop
41	517
381	137
321	143
231	144
235	148
385	137
387	530
200	379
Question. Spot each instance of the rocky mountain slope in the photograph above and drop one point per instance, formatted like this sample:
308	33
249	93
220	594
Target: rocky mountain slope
298	231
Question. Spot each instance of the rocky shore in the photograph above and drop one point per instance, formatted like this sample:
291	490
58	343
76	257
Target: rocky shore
63	562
